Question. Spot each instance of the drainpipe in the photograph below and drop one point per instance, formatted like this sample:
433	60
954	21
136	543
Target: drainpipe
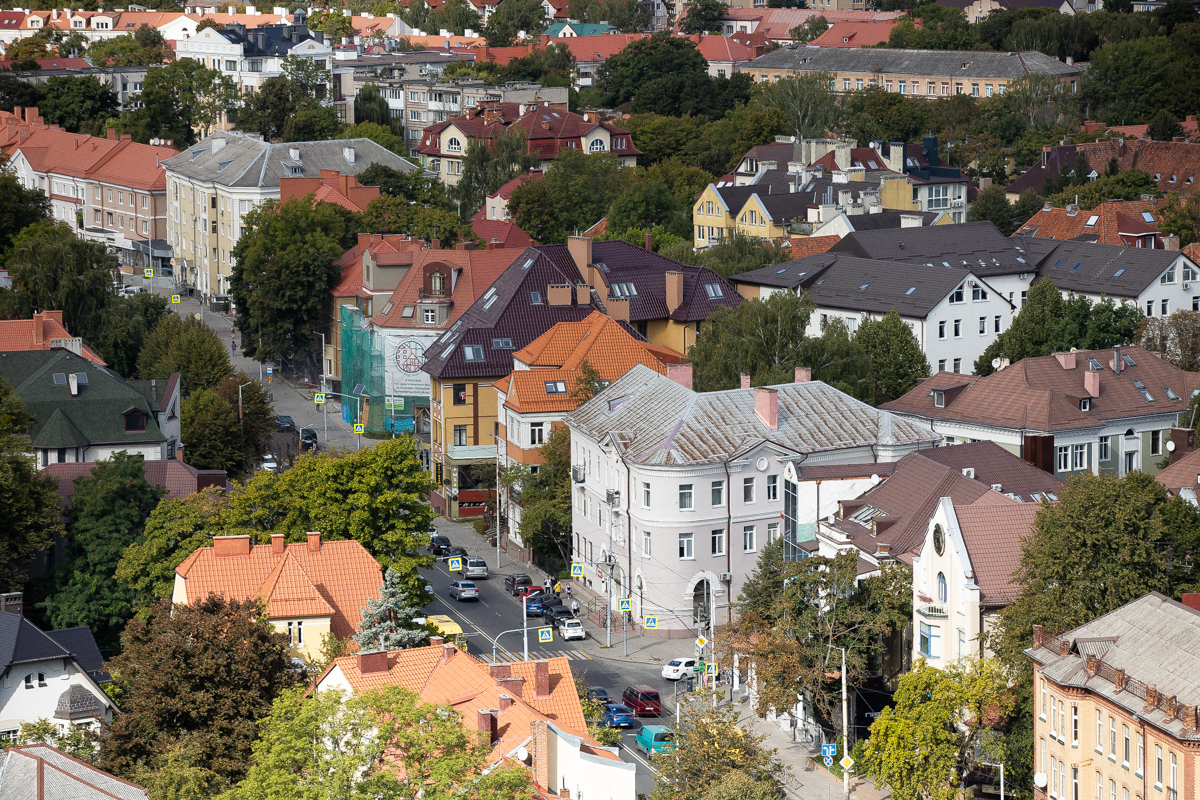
728	545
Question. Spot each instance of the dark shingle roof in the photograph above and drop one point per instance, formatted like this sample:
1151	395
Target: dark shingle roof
888	219
964	246
21	641
82	644
994	465
1084	267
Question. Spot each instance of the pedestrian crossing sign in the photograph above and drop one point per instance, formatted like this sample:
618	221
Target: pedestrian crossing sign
319	398
625	604
148	272
545	634
455	564
175	299
710	670
650	623
358	427
577	570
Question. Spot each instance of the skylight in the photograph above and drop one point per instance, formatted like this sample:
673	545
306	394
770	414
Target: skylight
1055	264
388	308
488	303
1020	259
946	264
626	289
911	289
1147	216
602	266
502	344
1094	364
556	387
714	290
528	263
863	287
1128	359
1078	264
408	312
1145	393
473	352
1170	395
448	351
781	271
1119	273
1092	220
535	298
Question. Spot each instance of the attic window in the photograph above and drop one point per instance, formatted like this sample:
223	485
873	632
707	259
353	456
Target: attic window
1078	264
946	264
535	298
1092	220
624	289
1141	387
473	352
1148	217
223	164
713	290
1172	179
1189	180
1157	176
388	308
603	267
556	387
939	399
910	290
1020	259
135	421
1094	364
408	312
1055	264
863	287
781	271
1128	359
294	170
448	351
1170	395
60	379
489	302
528	263
1085	404
502	344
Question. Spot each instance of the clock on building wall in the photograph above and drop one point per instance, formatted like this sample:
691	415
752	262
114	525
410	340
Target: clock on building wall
939	540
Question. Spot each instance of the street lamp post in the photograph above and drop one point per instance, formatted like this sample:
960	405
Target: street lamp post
1001	766
240	399
322	335
496	439
613	496
845	724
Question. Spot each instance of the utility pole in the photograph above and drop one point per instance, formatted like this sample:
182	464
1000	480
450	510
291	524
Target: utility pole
322	335
525	622
845	729
612	496
240	400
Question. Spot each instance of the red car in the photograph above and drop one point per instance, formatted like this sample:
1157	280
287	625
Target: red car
528	591
642	699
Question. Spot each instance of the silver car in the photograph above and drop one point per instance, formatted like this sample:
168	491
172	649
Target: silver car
464	590
476	568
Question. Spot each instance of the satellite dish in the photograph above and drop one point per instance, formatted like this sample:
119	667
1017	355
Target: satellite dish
1170	447
995	363
875	480
523	754
1039	780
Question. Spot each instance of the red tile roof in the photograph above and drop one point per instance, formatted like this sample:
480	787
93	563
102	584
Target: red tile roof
802	246
330	187
336	580
506	190
993	534
1174	165
866	33
499	231
1183	474
548	130
775	24
22	334
477	270
178	478
591	49
51	63
723	49
1115	222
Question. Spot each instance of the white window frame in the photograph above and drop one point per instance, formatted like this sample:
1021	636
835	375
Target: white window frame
687	544
687	497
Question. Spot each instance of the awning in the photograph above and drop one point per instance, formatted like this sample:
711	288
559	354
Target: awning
155	247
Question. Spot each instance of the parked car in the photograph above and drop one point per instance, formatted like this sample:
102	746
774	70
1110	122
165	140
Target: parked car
572	629
451	552
653	739
269	463
599	694
515	581
553	615
476	567
538	603
464	590
678	668
285	423
445	625
438	543
130	291
617	716
308	439
528	590
642	699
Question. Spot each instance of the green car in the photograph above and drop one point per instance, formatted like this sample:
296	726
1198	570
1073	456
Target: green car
654	739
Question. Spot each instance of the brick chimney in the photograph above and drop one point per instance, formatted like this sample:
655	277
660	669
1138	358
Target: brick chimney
179	452
1191	600
1151	697
498	671
372	663
541	680
674	296
681	374
766	406
803	374
1066	360
512	686
618	308
314	541
485	723
539	749
277	545
1091	383
39	332
580	248
745	378
558	295
448	651
227	546
435	641
12	603
649	242
505	703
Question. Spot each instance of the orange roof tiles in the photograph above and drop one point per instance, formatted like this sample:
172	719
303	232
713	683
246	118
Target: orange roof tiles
336	580
1116	222
22	334
802	246
867	33
1175	166
478	270
721	48
330	187
559	354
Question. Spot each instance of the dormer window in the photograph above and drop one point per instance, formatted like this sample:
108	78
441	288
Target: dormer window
454	145
135	421
1085	404
939	399
437	282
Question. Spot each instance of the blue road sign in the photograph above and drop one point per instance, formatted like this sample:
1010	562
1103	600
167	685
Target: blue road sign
829	750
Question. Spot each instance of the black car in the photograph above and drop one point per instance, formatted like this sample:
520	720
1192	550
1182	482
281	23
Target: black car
552	614
437	544
450	552
599	694
285	423
515	581
308	439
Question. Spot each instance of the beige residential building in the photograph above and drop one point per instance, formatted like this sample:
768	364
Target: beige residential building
212	185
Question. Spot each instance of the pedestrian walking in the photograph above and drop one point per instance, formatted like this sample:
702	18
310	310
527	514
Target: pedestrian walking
558	587
574	608
568	591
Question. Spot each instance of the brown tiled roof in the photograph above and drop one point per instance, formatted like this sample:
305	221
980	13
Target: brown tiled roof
499	231
823	472
547	130
1183	474
1040	394
855	34
1174	165
506	190
995	466
179	479
993	534
330	187
477	271
20	334
802	246
1115	222
342	576
1055	159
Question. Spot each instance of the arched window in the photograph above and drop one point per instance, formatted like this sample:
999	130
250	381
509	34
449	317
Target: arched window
454	145
597	146
942	594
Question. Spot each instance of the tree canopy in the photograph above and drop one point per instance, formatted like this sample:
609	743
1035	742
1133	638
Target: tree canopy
29	515
574	195
622	75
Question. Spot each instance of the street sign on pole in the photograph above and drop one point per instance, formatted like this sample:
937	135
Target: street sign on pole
625	604
701	641
829	750
319	398
847	762
358	427
148	272
454	564
545	634
175	299
270	370
577	570
710	669
828	761
650	623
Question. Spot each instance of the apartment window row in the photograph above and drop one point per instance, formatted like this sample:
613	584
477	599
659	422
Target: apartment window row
717	543
717	492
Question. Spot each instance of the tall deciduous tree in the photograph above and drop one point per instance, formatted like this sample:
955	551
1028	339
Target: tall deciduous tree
211	434
763	338
125	324
488	165
189	347
704	16
412	185
1176	336
897	362
19	207
509	19
267	111
181	101
575	194
806	102
285	264
29	515
78	104
992	206
250	402
709	745
546	500
387	623
921	746
621	76
390	214
1028	203
312	122
197	677
108	511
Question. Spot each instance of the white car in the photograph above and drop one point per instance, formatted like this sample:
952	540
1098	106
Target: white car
269	463
679	668
571	629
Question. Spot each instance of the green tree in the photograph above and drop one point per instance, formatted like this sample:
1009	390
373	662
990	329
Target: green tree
763	338
488	165
146	46
510	18
312	122
285	265
74	740
51	268
992	206
1163	126
412	185
809	30
125	323
29	515
387	623
740	784
379	134
806	102
709	745
1028	203
249	400
108	511
371	106
15	92
1124	81
897	363
546	500
209	23
78	104
331	22
19	207
650	204
1128	184
1031	330
921	746
391	214
704	16
837	359
456	16
1177	337
181	101
435	754
189	347
307	78
197	677
211	434
268	109
575	194
621	76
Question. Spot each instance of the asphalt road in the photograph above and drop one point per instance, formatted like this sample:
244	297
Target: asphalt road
496	620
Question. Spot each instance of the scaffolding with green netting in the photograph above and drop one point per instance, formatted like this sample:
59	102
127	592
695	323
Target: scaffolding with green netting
362	363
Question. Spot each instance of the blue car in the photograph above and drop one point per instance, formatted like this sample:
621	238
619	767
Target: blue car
616	716
536	604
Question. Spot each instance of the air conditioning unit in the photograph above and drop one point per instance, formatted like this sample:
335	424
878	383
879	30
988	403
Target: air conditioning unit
577	473
969	472
726	577
1187	286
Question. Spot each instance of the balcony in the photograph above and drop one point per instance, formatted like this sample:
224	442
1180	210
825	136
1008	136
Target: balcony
471	452
933	611
588	81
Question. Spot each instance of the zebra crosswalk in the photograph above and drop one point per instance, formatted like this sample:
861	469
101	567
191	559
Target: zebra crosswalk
511	658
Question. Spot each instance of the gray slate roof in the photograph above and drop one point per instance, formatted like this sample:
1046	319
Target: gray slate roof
92	417
651	419
1154	639
61	777
1084	267
232	159
22	642
977	246
888	219
906	63
80	643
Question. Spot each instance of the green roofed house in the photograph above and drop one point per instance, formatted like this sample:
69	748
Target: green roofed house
85	412
570	29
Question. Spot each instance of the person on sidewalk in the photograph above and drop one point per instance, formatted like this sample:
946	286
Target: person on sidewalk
574	608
